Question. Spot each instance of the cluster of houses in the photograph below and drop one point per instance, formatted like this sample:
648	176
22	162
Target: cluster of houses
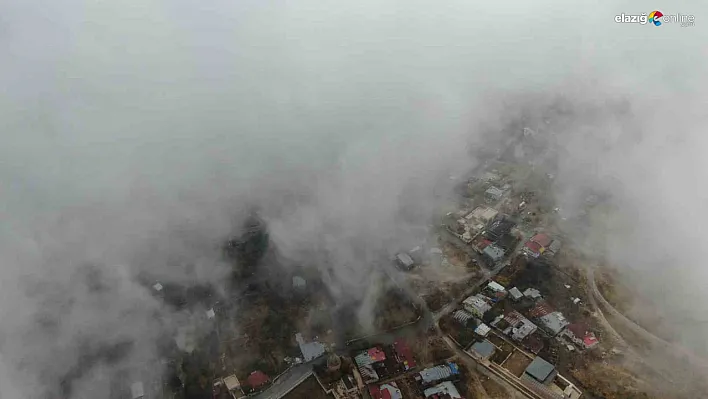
539	319
372	372
231	387
541	244
489	232
518	327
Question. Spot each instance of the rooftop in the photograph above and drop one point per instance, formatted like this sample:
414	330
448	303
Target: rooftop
494	192
541	309
309	350
404	354
494	286
554	322
515	293
540	369
438	373
484	348
405	259
385	391
542	239
483	330
257	379
232	382
494	252
532	293
444	388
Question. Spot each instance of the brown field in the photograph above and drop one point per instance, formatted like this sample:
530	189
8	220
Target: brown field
517	363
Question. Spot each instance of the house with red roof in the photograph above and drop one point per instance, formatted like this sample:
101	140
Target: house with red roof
581	335
385	391
537	245
376	355
403	355
541	309
257	379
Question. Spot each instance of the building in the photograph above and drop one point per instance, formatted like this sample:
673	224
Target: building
493	194
541	371
338	377
515	325
532	293
366	361
462	316
482	350
438	373
553	322
404	261
477	305
515	294
310	350
257	379
498	228
385	391
233	385
403	354
495	287
581	335
493	253
480	216
482	330
542	308
443	390
540	244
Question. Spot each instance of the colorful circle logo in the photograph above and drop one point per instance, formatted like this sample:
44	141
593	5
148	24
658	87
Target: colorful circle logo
655	17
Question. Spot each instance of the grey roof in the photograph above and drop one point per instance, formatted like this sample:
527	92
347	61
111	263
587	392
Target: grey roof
405	259
532	293
462	316
484	348
555	246
310	350
515	293
554	322
494	252
436	373
494	192
539	369
446	387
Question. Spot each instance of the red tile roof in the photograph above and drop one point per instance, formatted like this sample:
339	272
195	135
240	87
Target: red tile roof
404	354
590	340
533	246
378	393
257	379
542	239
376	355
541	309
578	329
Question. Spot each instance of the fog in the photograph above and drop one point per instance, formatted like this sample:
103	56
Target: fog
135	133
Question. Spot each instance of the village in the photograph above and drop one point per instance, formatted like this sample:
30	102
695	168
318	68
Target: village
495	303
503	316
